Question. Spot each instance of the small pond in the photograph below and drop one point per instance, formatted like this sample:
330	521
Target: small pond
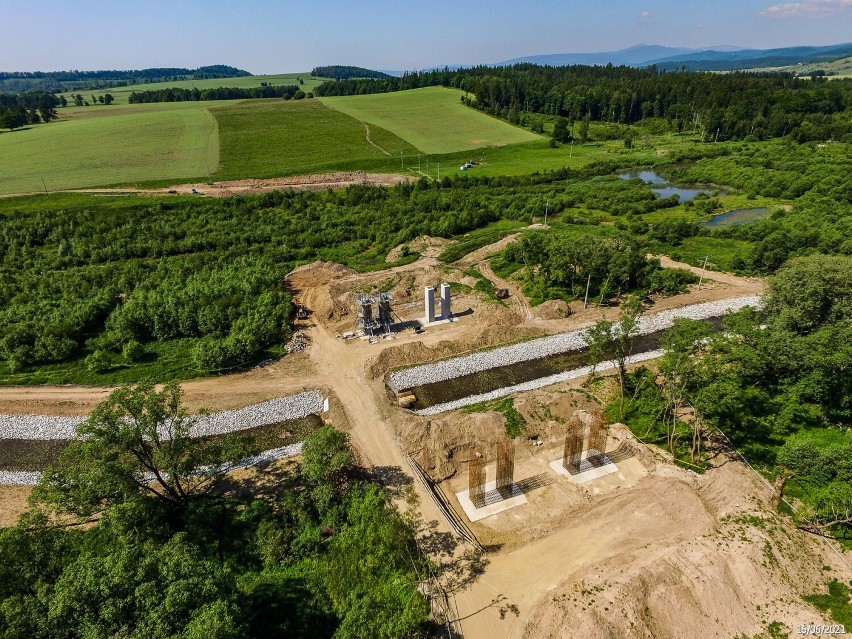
662	185
737	216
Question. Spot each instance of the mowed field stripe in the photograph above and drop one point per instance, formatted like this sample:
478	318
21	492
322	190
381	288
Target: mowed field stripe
433	119
98	146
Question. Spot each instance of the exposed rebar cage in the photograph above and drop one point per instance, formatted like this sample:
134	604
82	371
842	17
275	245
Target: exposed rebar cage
505	466
573	453
374	320
366	322
597	443
385	311
476	479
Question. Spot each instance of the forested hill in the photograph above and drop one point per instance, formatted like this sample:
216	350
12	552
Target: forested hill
732	106
20	81
339	72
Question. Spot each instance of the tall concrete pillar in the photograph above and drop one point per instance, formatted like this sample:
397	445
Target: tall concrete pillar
429	302
445	301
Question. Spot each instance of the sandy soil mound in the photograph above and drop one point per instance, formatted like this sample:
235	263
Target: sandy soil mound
316	274
13	502
318	182
425	245
552	309
730	569
250	186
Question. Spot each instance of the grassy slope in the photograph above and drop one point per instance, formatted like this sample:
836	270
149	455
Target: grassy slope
267	138
97	146
121	93
842	68
432	119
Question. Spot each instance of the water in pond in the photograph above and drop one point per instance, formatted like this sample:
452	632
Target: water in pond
502	376
661	185
737	216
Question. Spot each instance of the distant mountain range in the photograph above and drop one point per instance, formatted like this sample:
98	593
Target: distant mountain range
717	58
638	55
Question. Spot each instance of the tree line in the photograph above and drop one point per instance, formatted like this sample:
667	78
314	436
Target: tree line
731	106
21	81
173	94
21	109
339	72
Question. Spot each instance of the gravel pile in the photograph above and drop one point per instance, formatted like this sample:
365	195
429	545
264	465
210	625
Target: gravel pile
551	345
270	412
533	384
298	343
38	426
19	477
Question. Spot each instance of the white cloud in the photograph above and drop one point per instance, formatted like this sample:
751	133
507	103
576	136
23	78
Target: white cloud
646	14
806	8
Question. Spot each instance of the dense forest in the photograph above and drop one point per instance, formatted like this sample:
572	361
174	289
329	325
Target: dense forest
322	553
173	94
54	81
339	72
98	282
732	106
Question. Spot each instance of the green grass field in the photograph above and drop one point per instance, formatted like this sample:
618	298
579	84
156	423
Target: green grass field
840	68
432	119
98	146
419	132
268	138
122	93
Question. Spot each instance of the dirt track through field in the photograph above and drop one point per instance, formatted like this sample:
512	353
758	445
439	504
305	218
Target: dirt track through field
370	140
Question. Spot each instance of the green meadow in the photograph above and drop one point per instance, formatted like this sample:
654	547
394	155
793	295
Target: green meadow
419	132
121	94
433	119
268	138
105	145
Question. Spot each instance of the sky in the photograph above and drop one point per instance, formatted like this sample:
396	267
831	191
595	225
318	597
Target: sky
287	36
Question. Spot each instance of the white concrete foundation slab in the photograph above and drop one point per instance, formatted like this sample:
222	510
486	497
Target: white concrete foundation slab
588	472
494	501
425	323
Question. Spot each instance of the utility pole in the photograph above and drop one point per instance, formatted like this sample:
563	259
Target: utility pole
588	282
401	164
546	205
703	268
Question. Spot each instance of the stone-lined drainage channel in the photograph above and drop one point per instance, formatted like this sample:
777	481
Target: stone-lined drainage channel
30	443
463	381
